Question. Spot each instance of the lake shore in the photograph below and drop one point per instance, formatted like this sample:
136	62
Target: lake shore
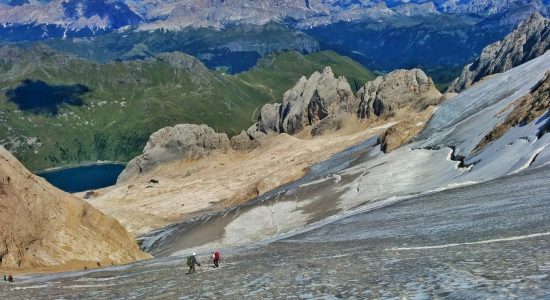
84	164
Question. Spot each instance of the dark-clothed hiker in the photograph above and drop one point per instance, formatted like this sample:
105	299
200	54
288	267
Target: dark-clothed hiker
191	262
216	256
10	278
5	277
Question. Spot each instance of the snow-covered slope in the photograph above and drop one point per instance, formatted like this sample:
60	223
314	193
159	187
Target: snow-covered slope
441	157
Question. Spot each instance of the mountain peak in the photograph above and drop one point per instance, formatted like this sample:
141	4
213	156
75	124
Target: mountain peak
534	18
530	40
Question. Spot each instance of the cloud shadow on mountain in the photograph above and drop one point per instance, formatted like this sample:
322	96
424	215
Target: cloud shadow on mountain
39	97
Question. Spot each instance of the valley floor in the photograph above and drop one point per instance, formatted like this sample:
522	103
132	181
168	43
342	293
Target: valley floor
489	240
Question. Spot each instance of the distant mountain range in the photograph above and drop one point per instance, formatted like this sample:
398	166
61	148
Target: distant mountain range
439	36
38	19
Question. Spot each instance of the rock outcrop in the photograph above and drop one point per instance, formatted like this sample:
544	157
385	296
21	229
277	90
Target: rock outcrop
269	120
308	103
41	226
311	100
323	102
184	141
530	40
401	89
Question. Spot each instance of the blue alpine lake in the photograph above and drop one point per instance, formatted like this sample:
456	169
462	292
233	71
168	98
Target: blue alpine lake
83	178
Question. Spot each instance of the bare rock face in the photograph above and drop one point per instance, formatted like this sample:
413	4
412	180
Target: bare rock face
41	226
269	120
323	102
184	141
530	40
411	89
313	99
309	102
244	141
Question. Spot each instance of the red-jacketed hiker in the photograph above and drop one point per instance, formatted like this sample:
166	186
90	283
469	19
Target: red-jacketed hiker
216	256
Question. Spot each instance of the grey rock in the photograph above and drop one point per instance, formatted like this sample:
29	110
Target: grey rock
268	120
323	102
487	7
184	141
307	103
332	122
414	9
254	133
410	89
243	142
313	99
530	40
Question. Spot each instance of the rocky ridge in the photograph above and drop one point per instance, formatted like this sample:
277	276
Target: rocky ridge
321	102
315	105
42	227
153	14
487	7
530	40
73	15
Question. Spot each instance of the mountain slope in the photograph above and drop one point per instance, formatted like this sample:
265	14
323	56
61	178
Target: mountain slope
90	111
441	245
36	20
264	156
435	43
234	49
276	73
530	40
42	227
441	157
312	13
73	14
109	110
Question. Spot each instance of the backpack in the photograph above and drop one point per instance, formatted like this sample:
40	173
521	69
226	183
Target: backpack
190	261
217	255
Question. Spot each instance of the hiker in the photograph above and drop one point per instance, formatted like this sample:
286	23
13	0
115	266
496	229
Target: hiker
191	262
216	256
5	277
10	278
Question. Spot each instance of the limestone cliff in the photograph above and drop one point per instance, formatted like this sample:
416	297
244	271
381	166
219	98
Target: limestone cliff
41	226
